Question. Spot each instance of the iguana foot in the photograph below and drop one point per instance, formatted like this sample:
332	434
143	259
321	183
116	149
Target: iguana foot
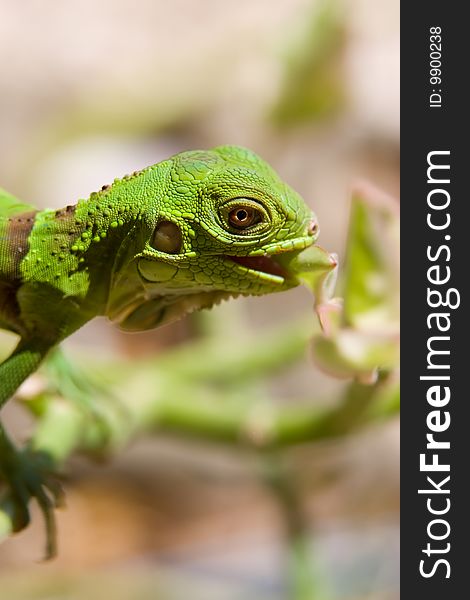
26	475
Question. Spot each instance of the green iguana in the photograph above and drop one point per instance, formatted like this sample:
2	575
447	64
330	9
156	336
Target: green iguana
177	236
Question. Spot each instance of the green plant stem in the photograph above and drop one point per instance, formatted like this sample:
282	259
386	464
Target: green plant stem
200	392
303	579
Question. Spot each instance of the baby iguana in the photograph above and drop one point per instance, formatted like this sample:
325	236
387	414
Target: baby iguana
177	236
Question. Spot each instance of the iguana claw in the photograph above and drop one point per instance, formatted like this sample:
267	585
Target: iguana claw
27	474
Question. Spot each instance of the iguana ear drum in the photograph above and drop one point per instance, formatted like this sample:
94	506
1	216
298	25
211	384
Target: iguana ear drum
167	238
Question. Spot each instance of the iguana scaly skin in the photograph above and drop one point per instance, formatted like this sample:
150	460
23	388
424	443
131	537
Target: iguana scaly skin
174	237
177	236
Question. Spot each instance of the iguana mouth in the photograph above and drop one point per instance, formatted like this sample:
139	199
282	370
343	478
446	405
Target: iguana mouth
263	264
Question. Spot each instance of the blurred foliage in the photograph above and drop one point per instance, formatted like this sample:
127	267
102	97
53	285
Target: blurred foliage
365	332
201	389
213	81
313	84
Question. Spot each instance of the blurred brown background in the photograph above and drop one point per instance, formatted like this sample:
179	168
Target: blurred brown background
94	89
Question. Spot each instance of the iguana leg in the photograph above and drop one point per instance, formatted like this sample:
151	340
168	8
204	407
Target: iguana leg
64	378
24	360
27	474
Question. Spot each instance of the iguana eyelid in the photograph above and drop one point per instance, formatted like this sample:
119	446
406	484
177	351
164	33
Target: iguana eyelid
244	201
261	223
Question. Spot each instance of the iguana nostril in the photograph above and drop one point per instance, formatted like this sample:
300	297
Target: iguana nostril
167	238
313	227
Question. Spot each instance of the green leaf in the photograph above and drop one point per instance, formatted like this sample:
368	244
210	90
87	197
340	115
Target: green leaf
366	334
371	274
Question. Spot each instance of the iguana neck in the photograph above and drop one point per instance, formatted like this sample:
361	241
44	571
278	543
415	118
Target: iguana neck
80	247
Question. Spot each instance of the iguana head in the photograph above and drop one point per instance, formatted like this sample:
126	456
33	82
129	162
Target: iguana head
224	224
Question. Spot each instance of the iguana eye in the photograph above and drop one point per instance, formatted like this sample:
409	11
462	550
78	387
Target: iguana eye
244	216
167	238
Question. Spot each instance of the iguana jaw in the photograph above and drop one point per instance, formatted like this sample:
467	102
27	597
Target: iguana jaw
266	265
273	265
148	295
